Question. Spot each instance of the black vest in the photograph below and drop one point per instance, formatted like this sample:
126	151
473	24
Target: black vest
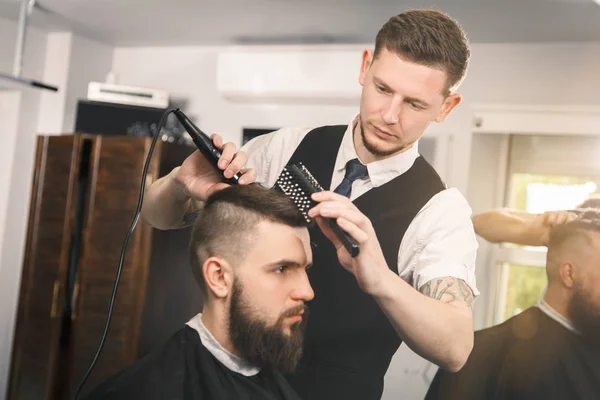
349	341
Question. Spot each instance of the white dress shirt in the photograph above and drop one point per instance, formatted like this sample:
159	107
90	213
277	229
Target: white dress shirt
440	240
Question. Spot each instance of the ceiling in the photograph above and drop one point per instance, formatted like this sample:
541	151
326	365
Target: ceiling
204	22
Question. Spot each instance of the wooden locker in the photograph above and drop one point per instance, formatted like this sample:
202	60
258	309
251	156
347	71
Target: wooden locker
85	193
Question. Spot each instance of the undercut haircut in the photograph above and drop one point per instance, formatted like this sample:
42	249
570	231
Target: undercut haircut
226	225
575	233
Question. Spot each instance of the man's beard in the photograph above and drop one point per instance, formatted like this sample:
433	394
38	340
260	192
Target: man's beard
585	317
375	150
265	346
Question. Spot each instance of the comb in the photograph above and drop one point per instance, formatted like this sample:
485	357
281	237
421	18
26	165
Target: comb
296	182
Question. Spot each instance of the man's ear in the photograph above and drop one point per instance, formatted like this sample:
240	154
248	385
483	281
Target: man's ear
449	104
367	60
567	274
218	276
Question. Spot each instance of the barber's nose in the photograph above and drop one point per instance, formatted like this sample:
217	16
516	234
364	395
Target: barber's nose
391	113
303	290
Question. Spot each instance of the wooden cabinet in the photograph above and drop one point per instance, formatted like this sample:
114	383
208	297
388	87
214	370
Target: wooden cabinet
85	192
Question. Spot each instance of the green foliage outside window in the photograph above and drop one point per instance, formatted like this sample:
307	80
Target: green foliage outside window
524	288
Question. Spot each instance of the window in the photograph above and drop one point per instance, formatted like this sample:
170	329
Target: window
525	285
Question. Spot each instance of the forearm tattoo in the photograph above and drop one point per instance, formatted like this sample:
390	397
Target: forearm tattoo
190	215
449	290
189	218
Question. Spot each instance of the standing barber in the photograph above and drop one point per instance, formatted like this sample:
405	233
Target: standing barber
414	279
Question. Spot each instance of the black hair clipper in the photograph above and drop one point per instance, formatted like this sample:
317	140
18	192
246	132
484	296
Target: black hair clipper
298	184
204	144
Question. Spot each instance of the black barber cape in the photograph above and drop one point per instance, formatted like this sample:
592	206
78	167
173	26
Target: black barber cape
184	369
531	356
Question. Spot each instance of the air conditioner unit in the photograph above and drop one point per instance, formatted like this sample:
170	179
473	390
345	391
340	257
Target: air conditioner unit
111	93
290	75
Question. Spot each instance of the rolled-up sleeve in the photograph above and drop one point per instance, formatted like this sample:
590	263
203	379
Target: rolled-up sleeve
269	153
440	242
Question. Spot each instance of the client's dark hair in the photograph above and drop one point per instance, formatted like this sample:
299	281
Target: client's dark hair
592	202
225	226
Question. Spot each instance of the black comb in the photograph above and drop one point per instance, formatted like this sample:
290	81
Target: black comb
296	182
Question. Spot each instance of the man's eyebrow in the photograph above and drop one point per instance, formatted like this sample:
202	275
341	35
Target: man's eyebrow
285	261
408	99
380	82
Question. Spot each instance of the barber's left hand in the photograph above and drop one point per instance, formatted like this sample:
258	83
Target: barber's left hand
369	267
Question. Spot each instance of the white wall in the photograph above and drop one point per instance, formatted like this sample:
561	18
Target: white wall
17	146
56	70
553	74
486	191
556	74
69	62
9	115
90	61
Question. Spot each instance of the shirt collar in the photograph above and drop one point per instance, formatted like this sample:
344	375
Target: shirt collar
382	171
555	315
231	361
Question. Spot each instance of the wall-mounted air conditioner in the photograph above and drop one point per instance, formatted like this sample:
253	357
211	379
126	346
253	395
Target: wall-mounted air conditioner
326	74
120	94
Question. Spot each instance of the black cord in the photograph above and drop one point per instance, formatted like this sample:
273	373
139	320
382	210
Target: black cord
124	249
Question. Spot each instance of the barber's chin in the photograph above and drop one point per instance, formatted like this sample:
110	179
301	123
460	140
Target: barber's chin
380	148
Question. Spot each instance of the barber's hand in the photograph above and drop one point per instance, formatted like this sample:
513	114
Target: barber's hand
197	177
549	220
369	267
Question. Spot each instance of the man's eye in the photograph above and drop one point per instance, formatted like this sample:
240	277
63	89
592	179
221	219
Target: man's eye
381	89
416	106
281	269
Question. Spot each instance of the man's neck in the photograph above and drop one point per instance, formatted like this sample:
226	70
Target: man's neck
557	300
217	328
213	339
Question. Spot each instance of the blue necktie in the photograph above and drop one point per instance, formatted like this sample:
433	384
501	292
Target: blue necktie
354	170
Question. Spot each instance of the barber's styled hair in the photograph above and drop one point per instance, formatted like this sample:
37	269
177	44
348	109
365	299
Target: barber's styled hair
430	38
226	225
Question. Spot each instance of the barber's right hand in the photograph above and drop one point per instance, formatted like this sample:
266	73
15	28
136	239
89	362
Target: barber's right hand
198	178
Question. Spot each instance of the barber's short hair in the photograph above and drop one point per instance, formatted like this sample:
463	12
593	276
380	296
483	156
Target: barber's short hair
430	38
226	224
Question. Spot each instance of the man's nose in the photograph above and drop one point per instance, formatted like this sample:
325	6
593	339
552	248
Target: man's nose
391	113
303	290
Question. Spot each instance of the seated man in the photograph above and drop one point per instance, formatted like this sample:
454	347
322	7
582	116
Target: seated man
551	351
250	249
